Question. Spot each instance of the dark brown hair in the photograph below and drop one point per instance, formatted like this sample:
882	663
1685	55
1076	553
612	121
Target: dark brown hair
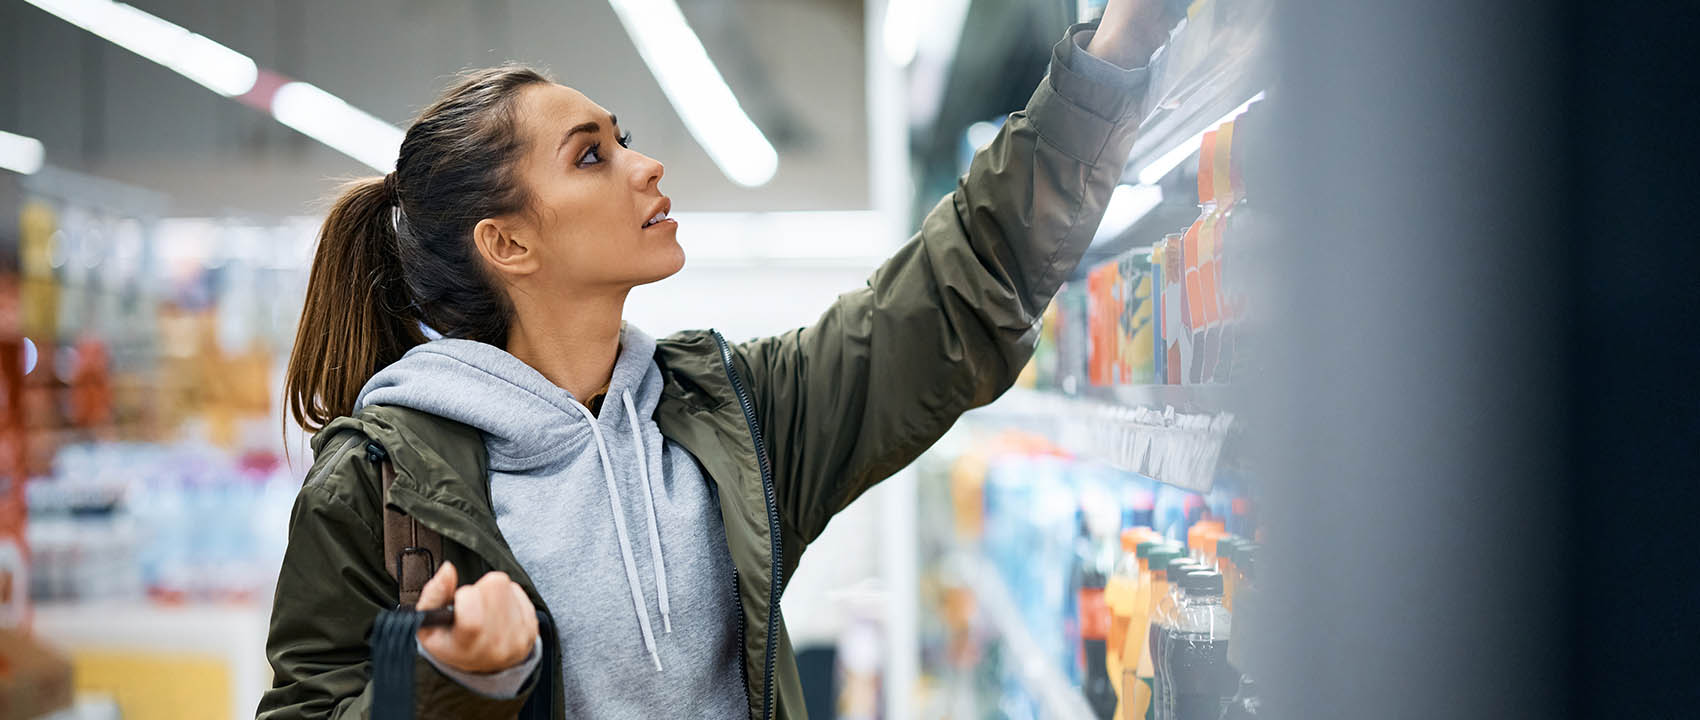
397	251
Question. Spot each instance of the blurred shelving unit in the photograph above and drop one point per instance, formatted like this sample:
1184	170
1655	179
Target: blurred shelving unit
191	661
1058	698
1180	435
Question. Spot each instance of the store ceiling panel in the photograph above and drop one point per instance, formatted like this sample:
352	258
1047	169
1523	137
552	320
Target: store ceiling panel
796	67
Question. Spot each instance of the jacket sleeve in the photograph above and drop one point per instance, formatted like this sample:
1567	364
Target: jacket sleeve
947	323
331	587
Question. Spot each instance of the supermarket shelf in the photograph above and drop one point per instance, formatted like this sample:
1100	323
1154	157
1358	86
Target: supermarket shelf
1095	400
1181	118
1180	113
1188	106
1173	434
1058	698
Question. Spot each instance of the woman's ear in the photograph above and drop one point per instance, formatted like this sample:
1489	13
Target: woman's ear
504	249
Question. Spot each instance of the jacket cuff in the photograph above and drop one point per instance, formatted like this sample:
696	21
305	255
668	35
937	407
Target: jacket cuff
1097	69
1085	100
499	685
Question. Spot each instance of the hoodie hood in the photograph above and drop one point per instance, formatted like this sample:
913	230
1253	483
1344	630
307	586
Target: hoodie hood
489	389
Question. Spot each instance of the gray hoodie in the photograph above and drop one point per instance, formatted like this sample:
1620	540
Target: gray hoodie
618	528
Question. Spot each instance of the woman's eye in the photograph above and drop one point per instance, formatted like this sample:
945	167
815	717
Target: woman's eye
595	151
593	155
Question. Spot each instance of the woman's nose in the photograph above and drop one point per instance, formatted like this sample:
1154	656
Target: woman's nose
649	170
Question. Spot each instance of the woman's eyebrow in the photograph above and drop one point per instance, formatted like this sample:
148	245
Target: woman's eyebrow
589	127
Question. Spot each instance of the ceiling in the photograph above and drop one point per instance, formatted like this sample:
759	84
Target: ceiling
796	66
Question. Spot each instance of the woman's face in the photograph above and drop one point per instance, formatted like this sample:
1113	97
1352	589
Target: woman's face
590	198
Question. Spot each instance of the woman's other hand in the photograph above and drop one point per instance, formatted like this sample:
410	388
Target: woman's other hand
1130	31
495	623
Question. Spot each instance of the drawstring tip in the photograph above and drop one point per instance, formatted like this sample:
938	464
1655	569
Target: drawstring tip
666	623
657	658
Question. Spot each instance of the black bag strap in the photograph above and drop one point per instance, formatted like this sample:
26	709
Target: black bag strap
411	550
392	663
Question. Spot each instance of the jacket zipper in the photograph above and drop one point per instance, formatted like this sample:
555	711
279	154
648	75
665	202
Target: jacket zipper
772	523
738	602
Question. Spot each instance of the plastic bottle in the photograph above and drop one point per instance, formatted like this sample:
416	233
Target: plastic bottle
1155	586
1226	549
1165	608
1119	594
1198	539
1097	556
1196	681
1094	631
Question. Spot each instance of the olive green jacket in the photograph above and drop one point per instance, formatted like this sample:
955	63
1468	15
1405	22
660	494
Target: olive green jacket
791	428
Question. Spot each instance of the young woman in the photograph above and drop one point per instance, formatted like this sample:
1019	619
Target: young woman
651	497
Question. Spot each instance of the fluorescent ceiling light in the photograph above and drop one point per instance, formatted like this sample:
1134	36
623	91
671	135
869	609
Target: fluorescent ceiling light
1154	171
224	71
1128	203
328	119
902	31
314	112
21	154
698	93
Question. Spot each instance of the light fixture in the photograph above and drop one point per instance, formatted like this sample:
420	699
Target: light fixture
304	107
902	31
21	154
1128	203
224	71
1154	171
332	121
697	91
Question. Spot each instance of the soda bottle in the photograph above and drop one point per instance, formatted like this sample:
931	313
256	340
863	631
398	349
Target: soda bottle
1097	556
1094	631
1196	682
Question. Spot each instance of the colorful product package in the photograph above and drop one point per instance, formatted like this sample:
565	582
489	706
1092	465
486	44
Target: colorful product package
1137	363
1175	325
1192	308
1159	350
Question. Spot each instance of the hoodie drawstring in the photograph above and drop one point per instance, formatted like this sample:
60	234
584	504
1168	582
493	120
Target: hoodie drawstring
625	542
649	505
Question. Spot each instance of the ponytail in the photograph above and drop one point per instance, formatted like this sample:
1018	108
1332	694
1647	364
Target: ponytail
357	317
374	283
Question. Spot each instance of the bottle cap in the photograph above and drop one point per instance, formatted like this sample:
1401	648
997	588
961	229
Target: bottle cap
1211	536
1158	560
1202	582
1226	546
1131	537
1180	566
1245	558
1144	548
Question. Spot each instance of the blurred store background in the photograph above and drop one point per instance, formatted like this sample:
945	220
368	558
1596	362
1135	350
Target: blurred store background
1371	294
